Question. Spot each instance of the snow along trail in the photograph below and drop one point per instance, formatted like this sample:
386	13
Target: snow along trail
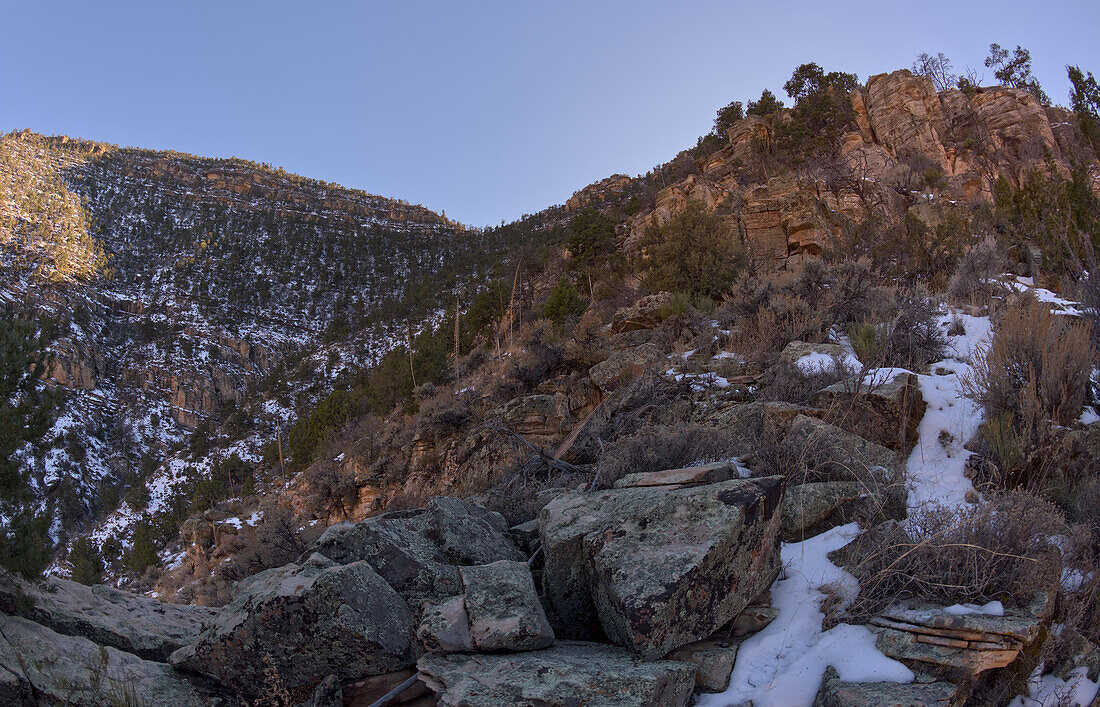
783	665
935	470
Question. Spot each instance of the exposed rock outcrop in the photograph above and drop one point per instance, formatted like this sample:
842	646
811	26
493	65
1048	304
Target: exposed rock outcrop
41	666
709	551
418	552
135	624
971	642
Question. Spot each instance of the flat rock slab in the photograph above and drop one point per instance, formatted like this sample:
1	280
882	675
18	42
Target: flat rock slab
835	693
307	621
41	666
970	642
659	568
570	674
688	476
418	552
107	616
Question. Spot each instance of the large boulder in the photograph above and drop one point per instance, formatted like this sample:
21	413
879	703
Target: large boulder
499	610
41	666
418	552
887	411
145	627
658	568
305	621
504	609
568	674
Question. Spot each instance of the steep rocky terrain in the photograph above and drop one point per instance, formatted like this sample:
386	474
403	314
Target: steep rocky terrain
575	487
175	287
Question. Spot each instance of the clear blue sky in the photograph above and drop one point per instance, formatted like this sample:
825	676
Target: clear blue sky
486	110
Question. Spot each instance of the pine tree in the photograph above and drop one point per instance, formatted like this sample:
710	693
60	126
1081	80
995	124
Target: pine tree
25	413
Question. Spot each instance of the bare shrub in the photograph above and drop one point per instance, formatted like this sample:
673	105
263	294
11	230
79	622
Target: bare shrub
788	383
976	278
442	416
330	489
665	447
914	337
1038	363
538	357
1003	550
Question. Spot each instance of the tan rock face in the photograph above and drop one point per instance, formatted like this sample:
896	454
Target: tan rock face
905	115
597	193
903	129
1019	127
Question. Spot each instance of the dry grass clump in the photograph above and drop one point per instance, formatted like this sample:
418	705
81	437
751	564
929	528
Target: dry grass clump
665	447
1005	549
1037	368
788	383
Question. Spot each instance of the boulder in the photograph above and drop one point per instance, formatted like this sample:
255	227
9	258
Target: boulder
659	568
503	608
713	662
418	551
565	675
41	666
305	621
688	476
499	610
445	627
830	453
807	507
646	313
834	693
887	412
135	624
625	364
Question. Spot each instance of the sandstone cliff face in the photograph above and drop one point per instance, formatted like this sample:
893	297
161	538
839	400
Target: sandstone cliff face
903	131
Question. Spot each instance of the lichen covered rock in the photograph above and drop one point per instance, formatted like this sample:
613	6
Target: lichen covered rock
659	568
565	675
306	621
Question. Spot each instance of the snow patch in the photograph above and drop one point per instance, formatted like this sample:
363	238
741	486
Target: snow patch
783	665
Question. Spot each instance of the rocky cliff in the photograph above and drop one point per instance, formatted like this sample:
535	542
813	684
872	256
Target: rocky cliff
906	146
